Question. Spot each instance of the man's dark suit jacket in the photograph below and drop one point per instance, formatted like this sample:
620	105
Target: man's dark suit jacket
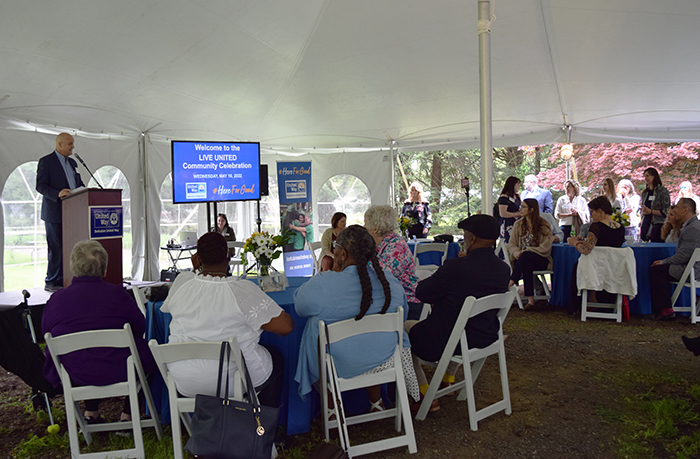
50	180
480	273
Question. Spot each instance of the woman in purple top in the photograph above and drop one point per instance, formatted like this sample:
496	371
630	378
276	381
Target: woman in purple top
90	303
394	254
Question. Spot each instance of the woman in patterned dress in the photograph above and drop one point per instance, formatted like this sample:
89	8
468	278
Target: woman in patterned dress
418	210
394	254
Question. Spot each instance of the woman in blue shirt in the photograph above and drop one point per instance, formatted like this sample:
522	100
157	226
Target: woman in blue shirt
352	289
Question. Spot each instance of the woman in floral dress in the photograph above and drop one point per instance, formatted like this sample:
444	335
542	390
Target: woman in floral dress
394	254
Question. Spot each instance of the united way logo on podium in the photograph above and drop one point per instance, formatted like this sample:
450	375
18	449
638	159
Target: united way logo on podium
106	222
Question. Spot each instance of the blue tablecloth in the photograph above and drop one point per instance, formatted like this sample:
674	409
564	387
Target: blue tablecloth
565	256
295	413
435	258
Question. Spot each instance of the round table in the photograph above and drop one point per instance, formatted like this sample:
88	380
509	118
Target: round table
565	256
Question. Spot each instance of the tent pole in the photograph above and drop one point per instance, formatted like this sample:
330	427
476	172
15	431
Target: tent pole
392	191
146	246
484	32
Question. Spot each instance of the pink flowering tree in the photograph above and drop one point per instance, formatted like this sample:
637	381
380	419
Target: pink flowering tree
595	162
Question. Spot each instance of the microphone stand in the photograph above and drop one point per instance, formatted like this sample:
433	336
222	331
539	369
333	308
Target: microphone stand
466	190
88	169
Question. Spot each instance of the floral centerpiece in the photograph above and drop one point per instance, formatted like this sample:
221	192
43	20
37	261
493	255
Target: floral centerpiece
264	248
620	217
404	224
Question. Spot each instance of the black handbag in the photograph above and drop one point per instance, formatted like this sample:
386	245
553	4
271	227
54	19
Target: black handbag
229	429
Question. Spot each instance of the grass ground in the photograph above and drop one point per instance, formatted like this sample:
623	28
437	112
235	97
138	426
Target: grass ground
579	390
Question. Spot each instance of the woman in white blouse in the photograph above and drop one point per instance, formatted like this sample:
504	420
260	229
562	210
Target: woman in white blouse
208	306
569	206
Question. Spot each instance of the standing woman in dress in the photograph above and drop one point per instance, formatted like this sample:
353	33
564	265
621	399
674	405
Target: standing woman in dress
630	205
417	209
338	222
530	248
509	206
655	202
569	206
609	192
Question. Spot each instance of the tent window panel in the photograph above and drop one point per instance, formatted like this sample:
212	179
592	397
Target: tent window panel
25	253
343	193
173	219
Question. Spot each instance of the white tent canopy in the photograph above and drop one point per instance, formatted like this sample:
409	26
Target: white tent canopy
324	76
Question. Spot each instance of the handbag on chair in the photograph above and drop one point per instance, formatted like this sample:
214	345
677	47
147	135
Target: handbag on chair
229	429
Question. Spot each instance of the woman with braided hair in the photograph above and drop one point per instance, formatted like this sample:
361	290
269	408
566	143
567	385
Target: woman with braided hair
356	287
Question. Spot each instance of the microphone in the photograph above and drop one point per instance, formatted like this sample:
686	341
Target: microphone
26	294
88	169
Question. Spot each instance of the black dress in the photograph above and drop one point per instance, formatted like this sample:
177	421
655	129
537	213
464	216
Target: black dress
420	213
607	237
506	224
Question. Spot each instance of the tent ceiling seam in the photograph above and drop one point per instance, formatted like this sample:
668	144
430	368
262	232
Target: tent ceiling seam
641	112
76	106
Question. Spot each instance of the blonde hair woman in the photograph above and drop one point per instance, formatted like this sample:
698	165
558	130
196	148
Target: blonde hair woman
569	206
609	192
418	210
686	191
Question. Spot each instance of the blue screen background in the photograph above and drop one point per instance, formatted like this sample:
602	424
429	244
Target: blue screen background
215	171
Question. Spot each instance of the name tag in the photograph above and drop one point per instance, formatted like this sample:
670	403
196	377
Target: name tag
651	198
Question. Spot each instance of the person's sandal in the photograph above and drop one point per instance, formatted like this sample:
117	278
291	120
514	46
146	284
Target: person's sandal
444	385
435	406
376	406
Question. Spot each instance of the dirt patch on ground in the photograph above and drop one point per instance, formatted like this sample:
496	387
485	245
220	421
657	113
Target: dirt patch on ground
564	376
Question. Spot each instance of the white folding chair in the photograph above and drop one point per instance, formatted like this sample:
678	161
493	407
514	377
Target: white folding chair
688	280
136	380
330	381
181	407
316	258
423	274
472	359
602	259
236	249
140	298
538	275
430	247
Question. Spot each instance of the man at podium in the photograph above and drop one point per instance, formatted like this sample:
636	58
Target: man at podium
56	176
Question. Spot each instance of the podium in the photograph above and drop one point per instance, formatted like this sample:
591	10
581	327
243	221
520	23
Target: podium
77	224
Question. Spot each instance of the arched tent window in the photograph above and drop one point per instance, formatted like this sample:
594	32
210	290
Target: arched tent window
112	177
343	193
25	251
173	219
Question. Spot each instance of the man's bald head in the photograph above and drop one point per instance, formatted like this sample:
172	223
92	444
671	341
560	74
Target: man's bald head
65	144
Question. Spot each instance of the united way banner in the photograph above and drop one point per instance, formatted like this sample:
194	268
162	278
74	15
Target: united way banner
294	179
294	183
106	222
